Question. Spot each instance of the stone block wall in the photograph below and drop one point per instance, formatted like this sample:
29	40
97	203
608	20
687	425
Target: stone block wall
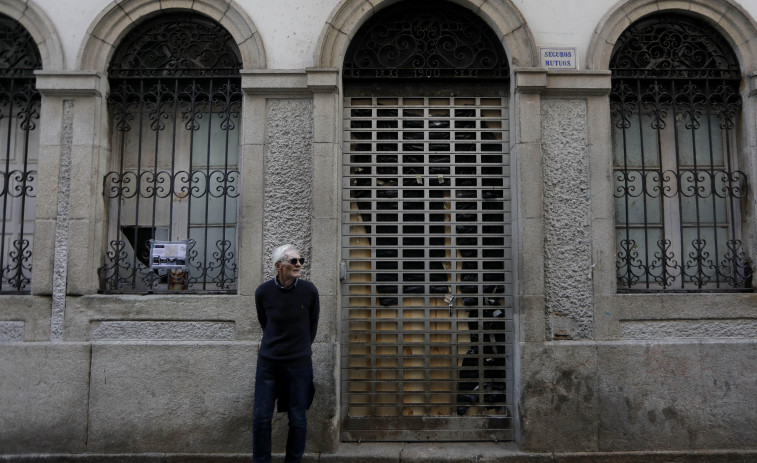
639	396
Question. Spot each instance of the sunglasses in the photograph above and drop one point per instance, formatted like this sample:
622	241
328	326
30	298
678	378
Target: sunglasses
294	260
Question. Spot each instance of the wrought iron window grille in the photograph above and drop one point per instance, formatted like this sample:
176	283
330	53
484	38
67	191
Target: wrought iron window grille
678	191
19	116
175	103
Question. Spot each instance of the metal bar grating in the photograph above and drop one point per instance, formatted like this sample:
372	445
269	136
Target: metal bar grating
427	290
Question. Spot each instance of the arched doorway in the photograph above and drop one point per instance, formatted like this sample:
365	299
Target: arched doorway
426	235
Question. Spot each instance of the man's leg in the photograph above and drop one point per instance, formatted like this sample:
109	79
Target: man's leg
299	380
262	414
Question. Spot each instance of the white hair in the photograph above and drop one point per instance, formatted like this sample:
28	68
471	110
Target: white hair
280	253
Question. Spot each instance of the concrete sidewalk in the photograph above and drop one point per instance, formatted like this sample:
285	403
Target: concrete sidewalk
398	452
393	452
508	452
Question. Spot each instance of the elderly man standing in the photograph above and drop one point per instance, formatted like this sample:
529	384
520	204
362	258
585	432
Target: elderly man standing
288	309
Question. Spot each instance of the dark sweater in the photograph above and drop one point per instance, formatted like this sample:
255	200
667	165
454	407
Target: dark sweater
289	318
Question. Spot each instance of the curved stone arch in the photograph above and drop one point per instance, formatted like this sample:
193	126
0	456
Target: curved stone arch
728	18
38	24
501	15
113	23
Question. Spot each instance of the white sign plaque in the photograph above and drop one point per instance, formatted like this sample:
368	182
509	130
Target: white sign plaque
558	57
168	254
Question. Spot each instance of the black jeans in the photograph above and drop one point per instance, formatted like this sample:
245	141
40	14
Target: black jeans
292	384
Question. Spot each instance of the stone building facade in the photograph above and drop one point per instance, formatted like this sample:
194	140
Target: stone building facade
535	229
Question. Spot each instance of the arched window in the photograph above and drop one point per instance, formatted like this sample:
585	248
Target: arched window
678	191
427	305
19	142
172	190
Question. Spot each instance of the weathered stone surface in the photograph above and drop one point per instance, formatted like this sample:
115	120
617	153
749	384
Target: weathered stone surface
559	400
726	413
60	266
11	331
31	312
567	217
639	396
162	330
688	329
179	397
677	396
289	178
85	316
193	398
43	398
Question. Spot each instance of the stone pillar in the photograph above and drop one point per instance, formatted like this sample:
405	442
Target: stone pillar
280	137
750	166
562	141
70	211
291	166
528	225
560	136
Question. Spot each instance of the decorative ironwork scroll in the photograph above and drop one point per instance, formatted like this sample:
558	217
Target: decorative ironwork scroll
19	55
177	46
678	190
673	46
424	39
19	115
175	102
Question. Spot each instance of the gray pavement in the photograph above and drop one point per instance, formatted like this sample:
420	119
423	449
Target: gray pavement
473	452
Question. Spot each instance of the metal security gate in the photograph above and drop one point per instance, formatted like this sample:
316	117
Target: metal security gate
427	326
